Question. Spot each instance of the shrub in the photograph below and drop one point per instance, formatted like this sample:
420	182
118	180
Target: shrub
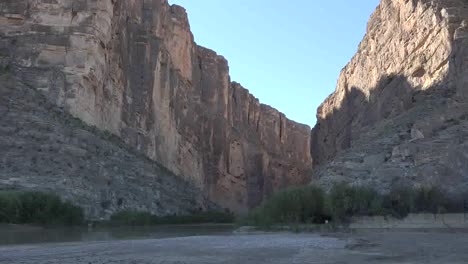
212	217
456	204
399	202
346	201
133	218
312	205
293	205
430	200
5	69
138	218
37	208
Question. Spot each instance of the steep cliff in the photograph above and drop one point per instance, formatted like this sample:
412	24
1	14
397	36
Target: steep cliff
132	68
45	149
399	113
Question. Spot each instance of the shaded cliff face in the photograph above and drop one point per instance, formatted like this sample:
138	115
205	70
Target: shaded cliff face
132	68
399	112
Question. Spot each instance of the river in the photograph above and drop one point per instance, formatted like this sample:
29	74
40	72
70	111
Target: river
208	244
23	234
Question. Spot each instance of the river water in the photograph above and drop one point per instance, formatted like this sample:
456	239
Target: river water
213	244
20	234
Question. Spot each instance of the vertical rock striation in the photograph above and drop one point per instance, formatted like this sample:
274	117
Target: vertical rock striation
45	149
132	68
398	114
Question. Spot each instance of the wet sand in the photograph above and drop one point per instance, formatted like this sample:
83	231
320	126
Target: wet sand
362	247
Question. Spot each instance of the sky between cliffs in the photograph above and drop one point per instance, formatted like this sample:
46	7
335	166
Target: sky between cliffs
287	53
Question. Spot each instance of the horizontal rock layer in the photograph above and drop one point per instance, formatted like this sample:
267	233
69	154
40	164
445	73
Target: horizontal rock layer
132	68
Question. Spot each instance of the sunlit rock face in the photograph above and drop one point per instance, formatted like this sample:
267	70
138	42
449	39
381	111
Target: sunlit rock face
399	114
45	149
132	68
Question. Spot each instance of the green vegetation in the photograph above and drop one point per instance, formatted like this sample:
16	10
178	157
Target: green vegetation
37	208
345	201
294	205
4	69
431	200
48	209
311	205
399	202
135	218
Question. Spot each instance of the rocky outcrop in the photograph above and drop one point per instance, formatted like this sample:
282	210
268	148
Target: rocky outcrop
399	112
45	149
132	68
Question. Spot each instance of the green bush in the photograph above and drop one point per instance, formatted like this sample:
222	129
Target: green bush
456	204
346	201
137	218
430	200
311	205
399	202
213	217
5	69
37	208
293	205
132	218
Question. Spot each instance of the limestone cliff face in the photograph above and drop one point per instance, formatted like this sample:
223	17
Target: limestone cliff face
131	67
398	114
45	149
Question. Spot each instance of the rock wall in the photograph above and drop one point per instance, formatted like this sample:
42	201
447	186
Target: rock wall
132	68
398	115
45	149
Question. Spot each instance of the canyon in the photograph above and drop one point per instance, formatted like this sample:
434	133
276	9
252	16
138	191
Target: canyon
132	68
112	105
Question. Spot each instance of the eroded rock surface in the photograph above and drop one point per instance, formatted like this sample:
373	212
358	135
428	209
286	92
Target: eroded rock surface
399	112
45	149
133	68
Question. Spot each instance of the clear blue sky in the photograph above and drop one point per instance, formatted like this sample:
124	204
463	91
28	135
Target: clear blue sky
287	53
